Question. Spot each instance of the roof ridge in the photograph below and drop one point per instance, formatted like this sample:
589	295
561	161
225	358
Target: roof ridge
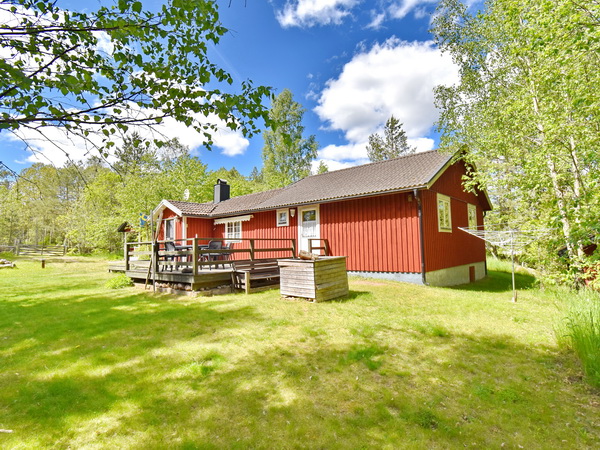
185	201
372	163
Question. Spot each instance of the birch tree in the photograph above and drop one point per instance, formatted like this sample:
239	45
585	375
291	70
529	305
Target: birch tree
95	73
526	108
287	154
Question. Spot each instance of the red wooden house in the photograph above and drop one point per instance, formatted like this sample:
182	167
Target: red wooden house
395	219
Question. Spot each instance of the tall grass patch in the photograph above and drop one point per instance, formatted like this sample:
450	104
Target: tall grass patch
580	330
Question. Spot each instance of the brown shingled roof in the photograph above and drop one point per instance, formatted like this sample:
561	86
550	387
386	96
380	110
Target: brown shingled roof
193	209
245	202
406	172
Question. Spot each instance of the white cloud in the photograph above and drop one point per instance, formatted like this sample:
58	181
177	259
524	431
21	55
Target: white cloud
422	144
334	165
399	10
377	20
53	145
393	78
307	13
349	152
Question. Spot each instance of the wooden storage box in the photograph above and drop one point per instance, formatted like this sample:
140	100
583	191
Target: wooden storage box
319	280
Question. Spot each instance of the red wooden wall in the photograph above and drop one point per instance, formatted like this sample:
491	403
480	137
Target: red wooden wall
263	225
201	228
377	234
443	250
168	214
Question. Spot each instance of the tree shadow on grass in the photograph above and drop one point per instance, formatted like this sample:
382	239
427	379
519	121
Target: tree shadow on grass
396	388
498	281
80	356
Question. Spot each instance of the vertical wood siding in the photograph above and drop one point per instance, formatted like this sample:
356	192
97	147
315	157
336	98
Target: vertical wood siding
196	227
263	225
202	228
443	250
377	234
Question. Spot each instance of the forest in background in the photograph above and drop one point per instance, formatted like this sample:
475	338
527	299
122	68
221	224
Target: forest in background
83	204
524	113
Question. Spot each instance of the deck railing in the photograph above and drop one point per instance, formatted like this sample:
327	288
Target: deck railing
189	253
324	247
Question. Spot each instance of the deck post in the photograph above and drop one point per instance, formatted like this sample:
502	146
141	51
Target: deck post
294	248
251	249
126	250
154	259
327	250
195	256
247	282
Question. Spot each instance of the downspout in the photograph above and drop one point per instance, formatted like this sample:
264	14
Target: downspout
421	237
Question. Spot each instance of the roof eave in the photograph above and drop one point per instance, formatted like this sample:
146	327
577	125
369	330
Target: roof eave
455	158
436	176
319	202
162	206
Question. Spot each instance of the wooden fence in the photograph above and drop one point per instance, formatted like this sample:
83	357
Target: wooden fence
35	250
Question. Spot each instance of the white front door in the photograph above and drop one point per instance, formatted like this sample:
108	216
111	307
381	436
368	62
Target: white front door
308	226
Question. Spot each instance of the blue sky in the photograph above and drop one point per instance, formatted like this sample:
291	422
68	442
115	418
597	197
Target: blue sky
350	63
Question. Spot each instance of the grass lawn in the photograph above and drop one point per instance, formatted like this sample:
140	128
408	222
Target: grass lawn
392	366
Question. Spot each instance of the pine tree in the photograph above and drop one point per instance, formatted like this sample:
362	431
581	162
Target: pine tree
391	145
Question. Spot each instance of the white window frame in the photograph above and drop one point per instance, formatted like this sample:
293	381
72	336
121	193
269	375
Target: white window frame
444	213
233	231
472	215
287	217
170	223
231	235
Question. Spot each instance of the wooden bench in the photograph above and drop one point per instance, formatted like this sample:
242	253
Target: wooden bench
254	275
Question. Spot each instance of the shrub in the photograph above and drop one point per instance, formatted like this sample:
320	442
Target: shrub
118	282
580	330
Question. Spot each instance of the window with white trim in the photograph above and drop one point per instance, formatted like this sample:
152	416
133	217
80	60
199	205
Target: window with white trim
444	214
233	231
283	218
472	215
169	229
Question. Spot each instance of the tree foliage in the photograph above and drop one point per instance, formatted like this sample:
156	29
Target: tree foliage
287	154
48	205
392	144
526	110
322	167
101	72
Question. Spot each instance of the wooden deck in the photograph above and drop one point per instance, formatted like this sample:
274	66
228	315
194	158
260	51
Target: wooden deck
192	264
204	279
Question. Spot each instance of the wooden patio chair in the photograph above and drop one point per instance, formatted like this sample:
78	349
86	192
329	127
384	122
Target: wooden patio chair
213	245
169	247
226	256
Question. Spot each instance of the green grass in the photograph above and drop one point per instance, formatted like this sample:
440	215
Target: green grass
580	331
392	366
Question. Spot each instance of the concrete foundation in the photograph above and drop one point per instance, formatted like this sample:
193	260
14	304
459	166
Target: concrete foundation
414	278
445	277
456	275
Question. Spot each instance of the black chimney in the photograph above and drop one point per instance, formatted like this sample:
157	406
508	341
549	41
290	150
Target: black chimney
221	191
